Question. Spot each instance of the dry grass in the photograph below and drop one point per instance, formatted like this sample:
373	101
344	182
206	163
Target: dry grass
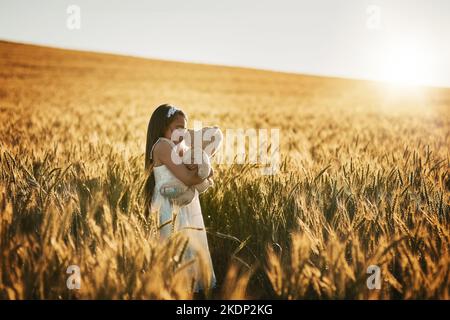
365	180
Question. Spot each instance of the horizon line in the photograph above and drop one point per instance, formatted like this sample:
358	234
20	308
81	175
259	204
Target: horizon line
282	71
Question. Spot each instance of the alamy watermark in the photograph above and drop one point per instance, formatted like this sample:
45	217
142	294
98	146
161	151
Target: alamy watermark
73	21
374	280
373	21
74	280
231	146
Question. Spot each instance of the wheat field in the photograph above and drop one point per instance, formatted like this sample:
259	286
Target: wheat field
364	180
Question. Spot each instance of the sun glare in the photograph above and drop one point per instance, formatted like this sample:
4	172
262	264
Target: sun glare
405	65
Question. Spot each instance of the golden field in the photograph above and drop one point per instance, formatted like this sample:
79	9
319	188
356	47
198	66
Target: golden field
364	181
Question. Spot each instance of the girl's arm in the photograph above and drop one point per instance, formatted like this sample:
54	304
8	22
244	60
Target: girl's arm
163	152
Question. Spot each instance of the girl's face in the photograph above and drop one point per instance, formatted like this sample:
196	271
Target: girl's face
178	123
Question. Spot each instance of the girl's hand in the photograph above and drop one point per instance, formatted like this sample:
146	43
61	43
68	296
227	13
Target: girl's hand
192	166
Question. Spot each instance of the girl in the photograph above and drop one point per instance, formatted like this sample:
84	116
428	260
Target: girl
171	218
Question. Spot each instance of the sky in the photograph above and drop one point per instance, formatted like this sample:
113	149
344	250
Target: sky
400	41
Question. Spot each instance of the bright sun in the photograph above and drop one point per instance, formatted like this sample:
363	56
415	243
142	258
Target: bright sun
405	65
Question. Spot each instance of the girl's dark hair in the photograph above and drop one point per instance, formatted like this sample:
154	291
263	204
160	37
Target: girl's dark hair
158	124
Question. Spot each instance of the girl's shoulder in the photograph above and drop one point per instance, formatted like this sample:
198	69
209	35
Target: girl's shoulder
163	144
168	141
161	147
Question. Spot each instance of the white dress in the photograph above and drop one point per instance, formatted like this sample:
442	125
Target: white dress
187	219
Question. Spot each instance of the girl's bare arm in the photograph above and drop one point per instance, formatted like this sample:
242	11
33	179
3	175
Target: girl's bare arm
163	153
